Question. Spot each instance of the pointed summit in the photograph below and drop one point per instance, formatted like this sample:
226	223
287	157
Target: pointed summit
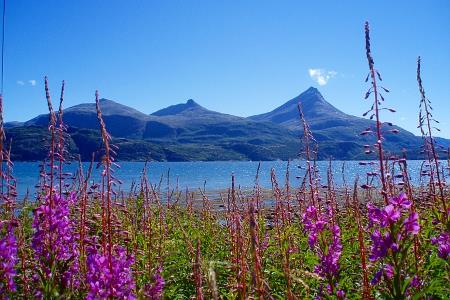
311	90
179	109
314	106
191	103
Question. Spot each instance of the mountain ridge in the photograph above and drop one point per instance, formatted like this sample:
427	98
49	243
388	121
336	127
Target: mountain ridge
189	131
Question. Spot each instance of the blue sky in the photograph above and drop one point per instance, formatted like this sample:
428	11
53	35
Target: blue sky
237	57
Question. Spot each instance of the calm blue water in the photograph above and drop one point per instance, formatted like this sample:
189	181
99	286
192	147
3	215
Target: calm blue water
217	175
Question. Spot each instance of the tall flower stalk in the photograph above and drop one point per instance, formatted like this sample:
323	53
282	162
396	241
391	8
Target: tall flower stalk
310	152
362	247
8	260
375	110
8	241
57	269
155	291
324	238
54	241
109	271
61	129
425	124
393	228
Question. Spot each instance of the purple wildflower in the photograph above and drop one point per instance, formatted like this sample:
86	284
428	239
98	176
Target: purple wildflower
329	249
340	294
401	201
312	239
54	240
329	262
8	259
155	291
376	279
310	218
381	243
382	219
374	215
314	222
415	282
390	214
443	243
388	271
411	224
392	227
110	281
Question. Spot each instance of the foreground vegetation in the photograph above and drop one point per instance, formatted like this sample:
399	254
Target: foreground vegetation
374	239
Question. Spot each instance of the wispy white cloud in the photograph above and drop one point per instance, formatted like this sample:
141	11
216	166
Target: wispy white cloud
321	76
31	82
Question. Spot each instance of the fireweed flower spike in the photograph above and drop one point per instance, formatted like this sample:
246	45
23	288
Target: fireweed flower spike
8	260
102	283
109	273
324	239
55	226
154	291
393	228
426	122
443	245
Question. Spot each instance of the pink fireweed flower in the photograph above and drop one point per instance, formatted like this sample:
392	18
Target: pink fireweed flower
412	224
155	291
400	201
374	214
390	214
314	223
8	260
393	228
329	262
340	294
54	239
105	281
397	214
387	271
443	243
381	243
325	239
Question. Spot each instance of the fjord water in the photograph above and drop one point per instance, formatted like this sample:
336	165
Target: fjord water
213	175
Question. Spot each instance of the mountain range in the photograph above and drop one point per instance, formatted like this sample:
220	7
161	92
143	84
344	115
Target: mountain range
188	131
